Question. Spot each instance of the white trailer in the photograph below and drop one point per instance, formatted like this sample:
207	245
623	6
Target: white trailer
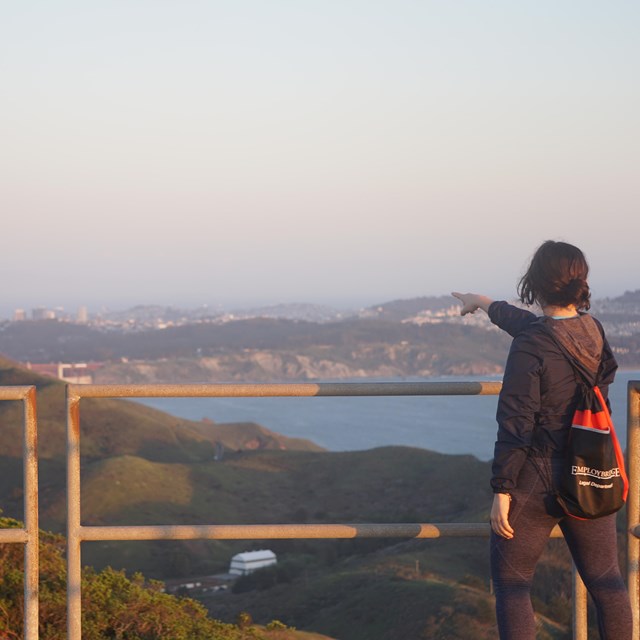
248	561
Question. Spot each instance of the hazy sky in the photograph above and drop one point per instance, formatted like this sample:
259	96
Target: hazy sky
331	151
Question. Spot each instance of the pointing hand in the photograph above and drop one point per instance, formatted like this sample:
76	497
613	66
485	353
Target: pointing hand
471	302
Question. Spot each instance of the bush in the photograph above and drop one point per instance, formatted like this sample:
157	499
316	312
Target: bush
114	607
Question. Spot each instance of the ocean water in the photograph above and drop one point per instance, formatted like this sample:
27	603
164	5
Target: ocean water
447	424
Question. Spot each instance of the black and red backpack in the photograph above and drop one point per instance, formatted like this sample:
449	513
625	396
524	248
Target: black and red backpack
593	482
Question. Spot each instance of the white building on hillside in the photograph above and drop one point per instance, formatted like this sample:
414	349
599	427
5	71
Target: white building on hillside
244	563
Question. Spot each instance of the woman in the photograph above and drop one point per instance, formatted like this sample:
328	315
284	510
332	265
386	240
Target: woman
534	414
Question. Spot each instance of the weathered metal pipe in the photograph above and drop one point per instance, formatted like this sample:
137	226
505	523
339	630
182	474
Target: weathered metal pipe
579	600
288	531
74	561
30	483
19	536
15	392
29	534
284	390
633	502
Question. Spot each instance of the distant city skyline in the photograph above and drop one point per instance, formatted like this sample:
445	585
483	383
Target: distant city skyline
339	152
82	313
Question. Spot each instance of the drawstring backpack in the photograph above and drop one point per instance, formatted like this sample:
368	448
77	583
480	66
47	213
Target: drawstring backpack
594	481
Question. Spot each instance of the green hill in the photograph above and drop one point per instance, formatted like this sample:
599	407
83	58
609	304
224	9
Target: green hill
120	427
391	484
110	428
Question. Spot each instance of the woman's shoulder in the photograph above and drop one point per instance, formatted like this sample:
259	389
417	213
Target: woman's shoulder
535	336
510	318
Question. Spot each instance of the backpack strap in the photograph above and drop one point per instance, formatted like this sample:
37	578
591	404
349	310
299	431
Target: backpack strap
581	374
614	438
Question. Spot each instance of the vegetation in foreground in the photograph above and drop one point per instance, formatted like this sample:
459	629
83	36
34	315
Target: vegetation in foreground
113	605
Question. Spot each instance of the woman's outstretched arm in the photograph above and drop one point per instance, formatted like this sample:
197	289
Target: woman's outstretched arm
504	315
471	302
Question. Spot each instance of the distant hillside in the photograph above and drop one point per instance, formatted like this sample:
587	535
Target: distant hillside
114	427
628	299
265	350
308	312
399	310
419	337
49	340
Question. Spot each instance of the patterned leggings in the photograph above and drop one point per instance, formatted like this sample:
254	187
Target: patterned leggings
592	543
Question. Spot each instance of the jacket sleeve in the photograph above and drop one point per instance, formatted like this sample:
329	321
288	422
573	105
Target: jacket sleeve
510	318
518	406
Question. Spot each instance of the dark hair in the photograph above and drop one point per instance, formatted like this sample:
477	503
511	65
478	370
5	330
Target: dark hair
556	276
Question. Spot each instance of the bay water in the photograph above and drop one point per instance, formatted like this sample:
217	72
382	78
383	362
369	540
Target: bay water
446	424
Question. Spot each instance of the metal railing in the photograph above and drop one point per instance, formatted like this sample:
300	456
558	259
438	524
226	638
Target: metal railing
78	533
28	534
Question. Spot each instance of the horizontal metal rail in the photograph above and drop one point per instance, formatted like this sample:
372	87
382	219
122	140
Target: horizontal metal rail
27	535
302	390
77	533
14	535
289	531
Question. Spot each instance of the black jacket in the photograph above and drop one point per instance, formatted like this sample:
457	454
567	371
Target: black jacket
540	386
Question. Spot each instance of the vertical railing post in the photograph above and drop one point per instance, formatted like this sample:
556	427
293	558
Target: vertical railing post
74	562
633	501
31	551
29	534
580	624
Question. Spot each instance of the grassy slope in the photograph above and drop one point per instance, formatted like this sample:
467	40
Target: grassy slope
391	484
403	591
109	428
386	484
120	427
